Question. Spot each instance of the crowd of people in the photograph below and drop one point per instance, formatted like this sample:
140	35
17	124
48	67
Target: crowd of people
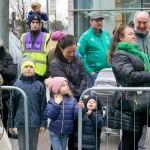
50	62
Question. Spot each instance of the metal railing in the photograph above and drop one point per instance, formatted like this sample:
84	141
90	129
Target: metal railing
107	10
101	89
25	111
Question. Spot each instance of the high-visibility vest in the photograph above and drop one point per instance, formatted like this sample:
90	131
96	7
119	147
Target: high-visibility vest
36	50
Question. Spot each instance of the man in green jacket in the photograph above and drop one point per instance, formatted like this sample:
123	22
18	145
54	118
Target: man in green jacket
94	46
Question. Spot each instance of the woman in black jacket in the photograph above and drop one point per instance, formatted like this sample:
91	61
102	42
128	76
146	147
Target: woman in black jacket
8	73
131	69
66	64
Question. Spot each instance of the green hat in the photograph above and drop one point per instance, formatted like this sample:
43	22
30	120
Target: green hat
96	15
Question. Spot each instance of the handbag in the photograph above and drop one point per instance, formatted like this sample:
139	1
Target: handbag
4	140
138	101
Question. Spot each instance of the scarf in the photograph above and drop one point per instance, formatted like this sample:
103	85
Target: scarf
34	35
134	49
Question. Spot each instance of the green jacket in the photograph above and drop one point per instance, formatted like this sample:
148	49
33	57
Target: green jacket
94	50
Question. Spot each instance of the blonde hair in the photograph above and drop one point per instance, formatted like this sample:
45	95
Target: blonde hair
70	94
35	4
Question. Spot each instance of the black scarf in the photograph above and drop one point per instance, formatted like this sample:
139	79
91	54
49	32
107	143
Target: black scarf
34	34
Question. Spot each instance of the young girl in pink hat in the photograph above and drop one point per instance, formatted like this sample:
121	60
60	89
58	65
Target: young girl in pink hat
62	110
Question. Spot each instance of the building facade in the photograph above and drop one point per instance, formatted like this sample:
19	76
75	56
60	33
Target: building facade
115	12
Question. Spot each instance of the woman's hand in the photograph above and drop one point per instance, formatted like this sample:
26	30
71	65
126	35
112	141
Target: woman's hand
58	98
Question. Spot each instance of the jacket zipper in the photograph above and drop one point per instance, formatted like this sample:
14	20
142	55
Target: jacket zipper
62	119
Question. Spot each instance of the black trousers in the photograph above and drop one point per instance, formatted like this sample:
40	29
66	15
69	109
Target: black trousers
130	140
4	114
71	142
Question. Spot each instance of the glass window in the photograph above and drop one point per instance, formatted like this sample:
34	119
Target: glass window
112	19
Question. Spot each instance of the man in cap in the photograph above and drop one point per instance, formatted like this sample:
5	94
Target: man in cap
34	44
94	46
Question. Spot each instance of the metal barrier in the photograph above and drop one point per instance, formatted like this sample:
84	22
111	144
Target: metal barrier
101	89
25	111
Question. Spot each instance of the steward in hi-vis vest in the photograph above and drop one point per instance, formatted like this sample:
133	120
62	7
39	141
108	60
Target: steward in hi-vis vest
34	44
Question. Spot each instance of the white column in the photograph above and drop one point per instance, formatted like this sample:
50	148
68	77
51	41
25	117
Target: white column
70	17
4	21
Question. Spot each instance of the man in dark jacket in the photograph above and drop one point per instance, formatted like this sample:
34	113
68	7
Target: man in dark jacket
8	73
141	22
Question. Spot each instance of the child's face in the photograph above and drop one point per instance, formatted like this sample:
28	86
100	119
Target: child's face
28	70
37	9
64	89
91	104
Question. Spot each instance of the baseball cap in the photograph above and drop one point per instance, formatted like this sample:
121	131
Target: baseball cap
96	15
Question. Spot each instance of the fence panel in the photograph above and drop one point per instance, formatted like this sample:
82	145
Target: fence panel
25	110
103	90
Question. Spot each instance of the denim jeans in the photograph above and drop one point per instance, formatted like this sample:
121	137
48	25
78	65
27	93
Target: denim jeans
91	79
58	140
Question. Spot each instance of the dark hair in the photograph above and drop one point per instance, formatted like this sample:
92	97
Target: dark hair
119	33
67	40
131	24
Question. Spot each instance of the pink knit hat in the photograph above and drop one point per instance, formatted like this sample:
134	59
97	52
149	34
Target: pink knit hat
57	35
55	83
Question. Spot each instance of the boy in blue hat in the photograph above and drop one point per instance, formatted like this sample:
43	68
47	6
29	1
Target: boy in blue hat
92	123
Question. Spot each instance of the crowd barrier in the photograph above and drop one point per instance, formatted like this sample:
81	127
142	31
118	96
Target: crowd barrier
103	90
25	110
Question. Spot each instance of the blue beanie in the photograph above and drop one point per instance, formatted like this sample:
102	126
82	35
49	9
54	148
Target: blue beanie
35	17
99	104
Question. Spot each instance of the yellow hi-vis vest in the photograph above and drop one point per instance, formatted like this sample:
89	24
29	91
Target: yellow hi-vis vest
36	50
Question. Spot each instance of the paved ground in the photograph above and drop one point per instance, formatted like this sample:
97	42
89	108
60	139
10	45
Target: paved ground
108	142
